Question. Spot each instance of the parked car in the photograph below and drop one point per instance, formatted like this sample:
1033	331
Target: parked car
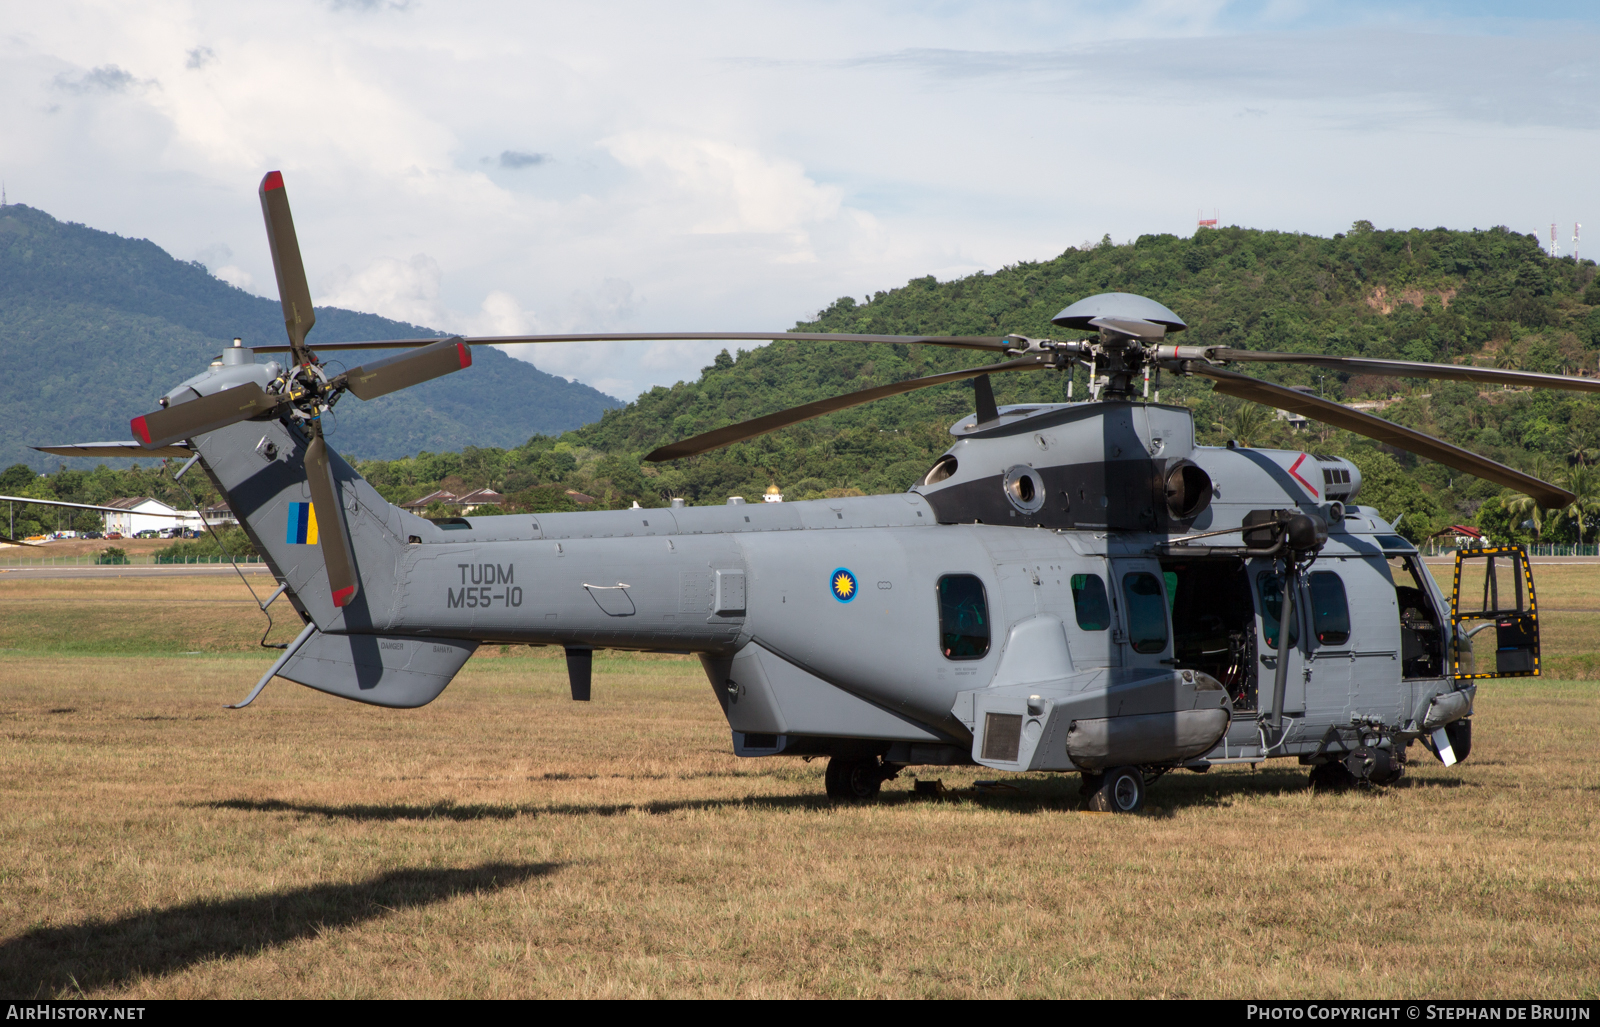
90	534
147	533
113	534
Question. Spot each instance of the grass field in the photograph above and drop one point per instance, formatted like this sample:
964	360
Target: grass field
505	841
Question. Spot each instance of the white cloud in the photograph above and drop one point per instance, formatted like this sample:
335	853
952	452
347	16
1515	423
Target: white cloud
500	168
406	290
236	276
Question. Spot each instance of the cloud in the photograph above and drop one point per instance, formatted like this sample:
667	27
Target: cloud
516	160
236	277
726	167
108	78
405	290
728	189
368	6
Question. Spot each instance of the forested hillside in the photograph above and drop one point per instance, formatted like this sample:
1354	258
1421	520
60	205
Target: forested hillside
94	327
1491	297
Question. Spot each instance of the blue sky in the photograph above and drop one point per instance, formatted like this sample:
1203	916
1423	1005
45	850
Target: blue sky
729	166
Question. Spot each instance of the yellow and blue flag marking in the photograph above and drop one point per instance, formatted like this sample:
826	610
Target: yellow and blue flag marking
302	525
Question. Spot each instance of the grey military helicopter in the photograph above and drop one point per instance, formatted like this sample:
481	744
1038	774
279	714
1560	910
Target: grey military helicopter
1072	587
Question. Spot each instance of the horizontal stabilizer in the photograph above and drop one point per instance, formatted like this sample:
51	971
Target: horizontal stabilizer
399	672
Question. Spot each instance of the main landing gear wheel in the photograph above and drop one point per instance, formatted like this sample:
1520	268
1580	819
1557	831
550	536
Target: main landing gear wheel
1121	791
854	780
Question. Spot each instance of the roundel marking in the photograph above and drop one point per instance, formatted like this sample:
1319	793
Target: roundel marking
843	584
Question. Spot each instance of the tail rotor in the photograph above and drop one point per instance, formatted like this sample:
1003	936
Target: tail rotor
302	393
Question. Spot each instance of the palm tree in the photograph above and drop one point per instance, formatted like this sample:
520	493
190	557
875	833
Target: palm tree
1542	467
1584	484
1580	446
1247	424
1527	505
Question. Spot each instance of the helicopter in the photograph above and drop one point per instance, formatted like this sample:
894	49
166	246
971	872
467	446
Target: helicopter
1073	587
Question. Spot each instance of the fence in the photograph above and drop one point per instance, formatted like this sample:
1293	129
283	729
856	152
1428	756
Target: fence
140	560
1587	549
1544	549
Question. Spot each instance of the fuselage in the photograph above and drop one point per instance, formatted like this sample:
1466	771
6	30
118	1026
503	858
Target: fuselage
902	619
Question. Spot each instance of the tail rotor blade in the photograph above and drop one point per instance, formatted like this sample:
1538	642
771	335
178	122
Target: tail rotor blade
332	533
198	416
381	377
298	317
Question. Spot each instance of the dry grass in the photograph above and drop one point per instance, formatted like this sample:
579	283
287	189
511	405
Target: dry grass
507	842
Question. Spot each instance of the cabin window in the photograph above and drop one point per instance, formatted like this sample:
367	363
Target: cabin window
1090	603
1271	587
1330	612
1147	612
963	617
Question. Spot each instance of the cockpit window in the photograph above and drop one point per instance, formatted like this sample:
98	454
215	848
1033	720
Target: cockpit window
1147	612
963	618
1090	603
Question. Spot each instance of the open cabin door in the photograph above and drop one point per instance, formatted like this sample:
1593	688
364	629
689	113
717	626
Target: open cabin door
1494	590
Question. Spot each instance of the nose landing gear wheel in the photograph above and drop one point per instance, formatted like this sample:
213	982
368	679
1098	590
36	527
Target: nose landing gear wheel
1120	791
855	780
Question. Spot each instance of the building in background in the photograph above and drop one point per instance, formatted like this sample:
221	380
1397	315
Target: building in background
218	515
141	513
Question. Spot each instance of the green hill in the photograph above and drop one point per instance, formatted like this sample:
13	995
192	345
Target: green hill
94	327
1491	296
1440	295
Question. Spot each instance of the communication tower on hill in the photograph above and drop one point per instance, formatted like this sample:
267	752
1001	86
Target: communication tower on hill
1575	227
1201	221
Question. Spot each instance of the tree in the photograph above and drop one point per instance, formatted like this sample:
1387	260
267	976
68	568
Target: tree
1248	424
1526	510
15	477
1584	484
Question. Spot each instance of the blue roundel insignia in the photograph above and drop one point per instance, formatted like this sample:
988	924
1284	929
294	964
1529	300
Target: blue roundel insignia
843	584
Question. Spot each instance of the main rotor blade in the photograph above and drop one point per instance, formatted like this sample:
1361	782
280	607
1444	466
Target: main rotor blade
332	534
994	343
293	292
1414	369
118	449
161	428
783	418
381	377
1231	383
87	506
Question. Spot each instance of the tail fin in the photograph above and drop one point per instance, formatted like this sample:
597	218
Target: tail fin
260	467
